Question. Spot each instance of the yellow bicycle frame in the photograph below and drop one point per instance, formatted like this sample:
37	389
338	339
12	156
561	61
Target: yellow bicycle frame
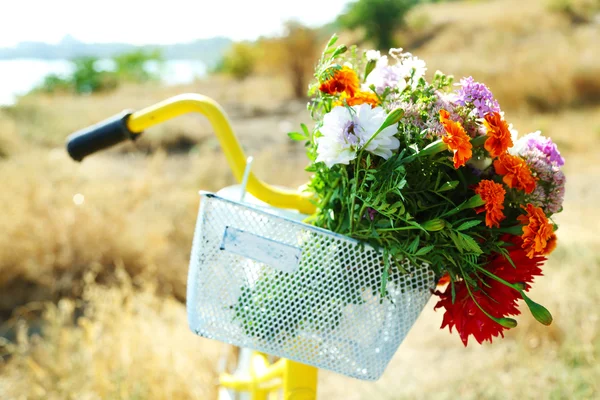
186	103
297	381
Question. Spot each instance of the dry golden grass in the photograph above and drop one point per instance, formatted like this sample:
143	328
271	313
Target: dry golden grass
116	343
123	334
137	211
41	118
531	58
9	140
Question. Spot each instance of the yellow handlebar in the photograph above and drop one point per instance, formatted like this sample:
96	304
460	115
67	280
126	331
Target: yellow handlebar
186	103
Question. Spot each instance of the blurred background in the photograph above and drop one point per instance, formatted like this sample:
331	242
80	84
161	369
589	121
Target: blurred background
93	256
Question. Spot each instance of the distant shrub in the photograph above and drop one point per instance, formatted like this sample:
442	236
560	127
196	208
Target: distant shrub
586	85
239	61
133	66
578	11
292	55
378	18
54	83
87	76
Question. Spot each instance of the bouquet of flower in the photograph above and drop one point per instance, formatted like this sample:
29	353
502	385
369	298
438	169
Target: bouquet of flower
432	174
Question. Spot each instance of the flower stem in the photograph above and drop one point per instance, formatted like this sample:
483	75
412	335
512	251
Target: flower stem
356	170
504	322
494	277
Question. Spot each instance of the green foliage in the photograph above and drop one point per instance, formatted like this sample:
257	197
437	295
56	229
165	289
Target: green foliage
54	83
87	76
379	19
239	61
132	66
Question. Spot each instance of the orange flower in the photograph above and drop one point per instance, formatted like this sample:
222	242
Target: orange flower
515	171
344	80
551	244
456	139
499	139
444	280
492	194
538	234
360	97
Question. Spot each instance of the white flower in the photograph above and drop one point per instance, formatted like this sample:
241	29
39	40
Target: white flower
520	145
373	55
347	130
384	76
396	52
410	64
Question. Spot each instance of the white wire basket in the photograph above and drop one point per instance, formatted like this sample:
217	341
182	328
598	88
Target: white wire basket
274	284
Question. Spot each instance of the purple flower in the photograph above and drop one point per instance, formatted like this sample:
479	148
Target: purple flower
432	124
386	76
550	190
546	146
371	213
478	95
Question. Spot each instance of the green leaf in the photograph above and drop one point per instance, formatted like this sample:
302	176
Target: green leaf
424	250
513	230
402	184
412	248
468	225
458	242
473	202
469	243
296	136
448	186
397	208
305	130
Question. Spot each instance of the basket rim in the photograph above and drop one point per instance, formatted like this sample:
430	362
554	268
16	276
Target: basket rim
254	208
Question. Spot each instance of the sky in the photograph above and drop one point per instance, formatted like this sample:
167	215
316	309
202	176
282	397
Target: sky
155	21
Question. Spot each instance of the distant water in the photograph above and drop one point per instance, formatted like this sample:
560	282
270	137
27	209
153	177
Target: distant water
20	76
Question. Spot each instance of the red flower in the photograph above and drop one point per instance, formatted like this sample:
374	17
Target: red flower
495	298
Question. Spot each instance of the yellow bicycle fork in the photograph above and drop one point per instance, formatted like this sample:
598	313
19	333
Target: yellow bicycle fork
296	381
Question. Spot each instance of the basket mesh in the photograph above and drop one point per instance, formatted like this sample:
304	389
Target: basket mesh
264	282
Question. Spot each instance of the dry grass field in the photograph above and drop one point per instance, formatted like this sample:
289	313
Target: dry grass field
91	293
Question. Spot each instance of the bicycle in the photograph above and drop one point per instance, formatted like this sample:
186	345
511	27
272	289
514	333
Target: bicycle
359	331
259	375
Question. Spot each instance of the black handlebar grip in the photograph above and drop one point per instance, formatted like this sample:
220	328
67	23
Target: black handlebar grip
97	137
